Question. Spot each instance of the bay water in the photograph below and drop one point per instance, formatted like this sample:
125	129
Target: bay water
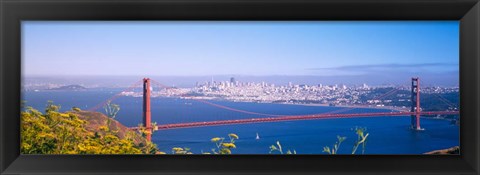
387	135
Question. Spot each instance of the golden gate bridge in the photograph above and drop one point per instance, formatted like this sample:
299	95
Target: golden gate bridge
415	110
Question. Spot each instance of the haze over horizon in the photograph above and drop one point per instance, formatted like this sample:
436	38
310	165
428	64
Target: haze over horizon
190	81
300	52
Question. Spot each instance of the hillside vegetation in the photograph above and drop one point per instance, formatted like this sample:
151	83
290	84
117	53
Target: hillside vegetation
78	132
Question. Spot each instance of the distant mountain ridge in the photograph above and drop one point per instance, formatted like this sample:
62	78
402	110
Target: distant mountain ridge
69	88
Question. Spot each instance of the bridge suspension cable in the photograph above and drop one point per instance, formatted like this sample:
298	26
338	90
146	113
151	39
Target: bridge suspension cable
446	101
391	92
136	84
217	105
345	109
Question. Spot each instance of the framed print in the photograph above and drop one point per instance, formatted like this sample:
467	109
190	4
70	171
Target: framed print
278	87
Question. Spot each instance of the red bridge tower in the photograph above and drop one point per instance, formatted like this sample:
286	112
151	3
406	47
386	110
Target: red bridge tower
415	98
147	123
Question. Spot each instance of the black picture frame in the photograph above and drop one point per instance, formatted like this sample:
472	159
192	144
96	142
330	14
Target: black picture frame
14	11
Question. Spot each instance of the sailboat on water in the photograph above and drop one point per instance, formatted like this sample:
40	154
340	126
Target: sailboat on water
258	137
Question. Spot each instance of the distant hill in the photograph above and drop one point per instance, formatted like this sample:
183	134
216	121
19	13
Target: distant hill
69	88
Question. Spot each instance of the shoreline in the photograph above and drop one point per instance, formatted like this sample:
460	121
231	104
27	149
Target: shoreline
394	108
350	106
397	109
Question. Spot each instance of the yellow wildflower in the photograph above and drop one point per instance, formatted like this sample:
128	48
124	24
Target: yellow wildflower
47	135
26	146
232	135
64	115
111	137
103	128
177	149
225	151
216	139
228	145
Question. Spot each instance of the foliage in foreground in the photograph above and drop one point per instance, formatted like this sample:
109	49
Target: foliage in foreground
361	140
54	132
224	146
279	149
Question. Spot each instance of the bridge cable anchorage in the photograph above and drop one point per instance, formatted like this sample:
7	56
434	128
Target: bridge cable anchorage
133	86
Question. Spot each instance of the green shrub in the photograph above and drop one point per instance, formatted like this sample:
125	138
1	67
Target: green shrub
54	132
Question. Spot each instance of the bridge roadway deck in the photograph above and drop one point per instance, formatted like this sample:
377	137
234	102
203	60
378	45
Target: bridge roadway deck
296	117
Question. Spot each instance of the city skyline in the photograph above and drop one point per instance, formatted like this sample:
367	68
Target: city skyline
186	82
331	50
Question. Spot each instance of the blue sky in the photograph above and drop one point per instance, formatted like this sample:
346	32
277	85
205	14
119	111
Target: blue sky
420	48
